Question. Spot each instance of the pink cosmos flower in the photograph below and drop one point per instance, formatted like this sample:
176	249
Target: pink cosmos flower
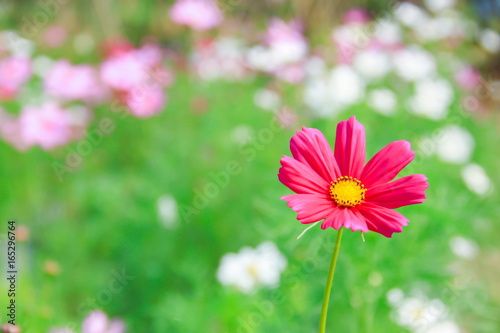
138	78
98	322
124	72
468	78
286	41
145	102
48	126
196	14
339	188
14	72
55	36
356	16
74	82
10	130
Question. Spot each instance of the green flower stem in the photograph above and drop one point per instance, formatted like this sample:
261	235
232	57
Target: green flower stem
329	281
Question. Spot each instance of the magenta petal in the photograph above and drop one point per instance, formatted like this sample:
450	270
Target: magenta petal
382	220
310	208
404	191
387	163
345	217
300	178
310	147
350	147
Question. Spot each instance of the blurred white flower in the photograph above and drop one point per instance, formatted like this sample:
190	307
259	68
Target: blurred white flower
395	296
441	27
17	45
41	65
375	279
335	91
261	58
432	98
372	64
383	101
167	211
454	144
242	134
351	35
83	43
250	268
317	96
411	15
345	85
476	179
223	58
437	6
464	248
413	63
446	326
267	99
490	40
286	41
387	32
419	314
315	66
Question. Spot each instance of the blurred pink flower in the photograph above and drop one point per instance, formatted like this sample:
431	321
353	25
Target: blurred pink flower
138	79
468	77
286	40
287	118
339	188
10	130
197	14
14	72
98	322
48	126
146	102
55	36
356	16
123	72
279	31
116	47
149	54
222	58
74	82
294	73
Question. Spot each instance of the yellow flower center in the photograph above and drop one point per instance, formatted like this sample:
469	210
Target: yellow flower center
347	191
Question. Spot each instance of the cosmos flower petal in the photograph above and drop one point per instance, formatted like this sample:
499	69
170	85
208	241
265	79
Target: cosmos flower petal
300	178
310	147
364	196
387	163
383	220
350	147
345	217
310	208
404	191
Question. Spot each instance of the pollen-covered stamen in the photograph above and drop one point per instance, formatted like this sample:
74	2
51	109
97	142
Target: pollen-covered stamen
347	191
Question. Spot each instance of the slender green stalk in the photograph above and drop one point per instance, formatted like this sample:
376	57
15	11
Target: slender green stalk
329	281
